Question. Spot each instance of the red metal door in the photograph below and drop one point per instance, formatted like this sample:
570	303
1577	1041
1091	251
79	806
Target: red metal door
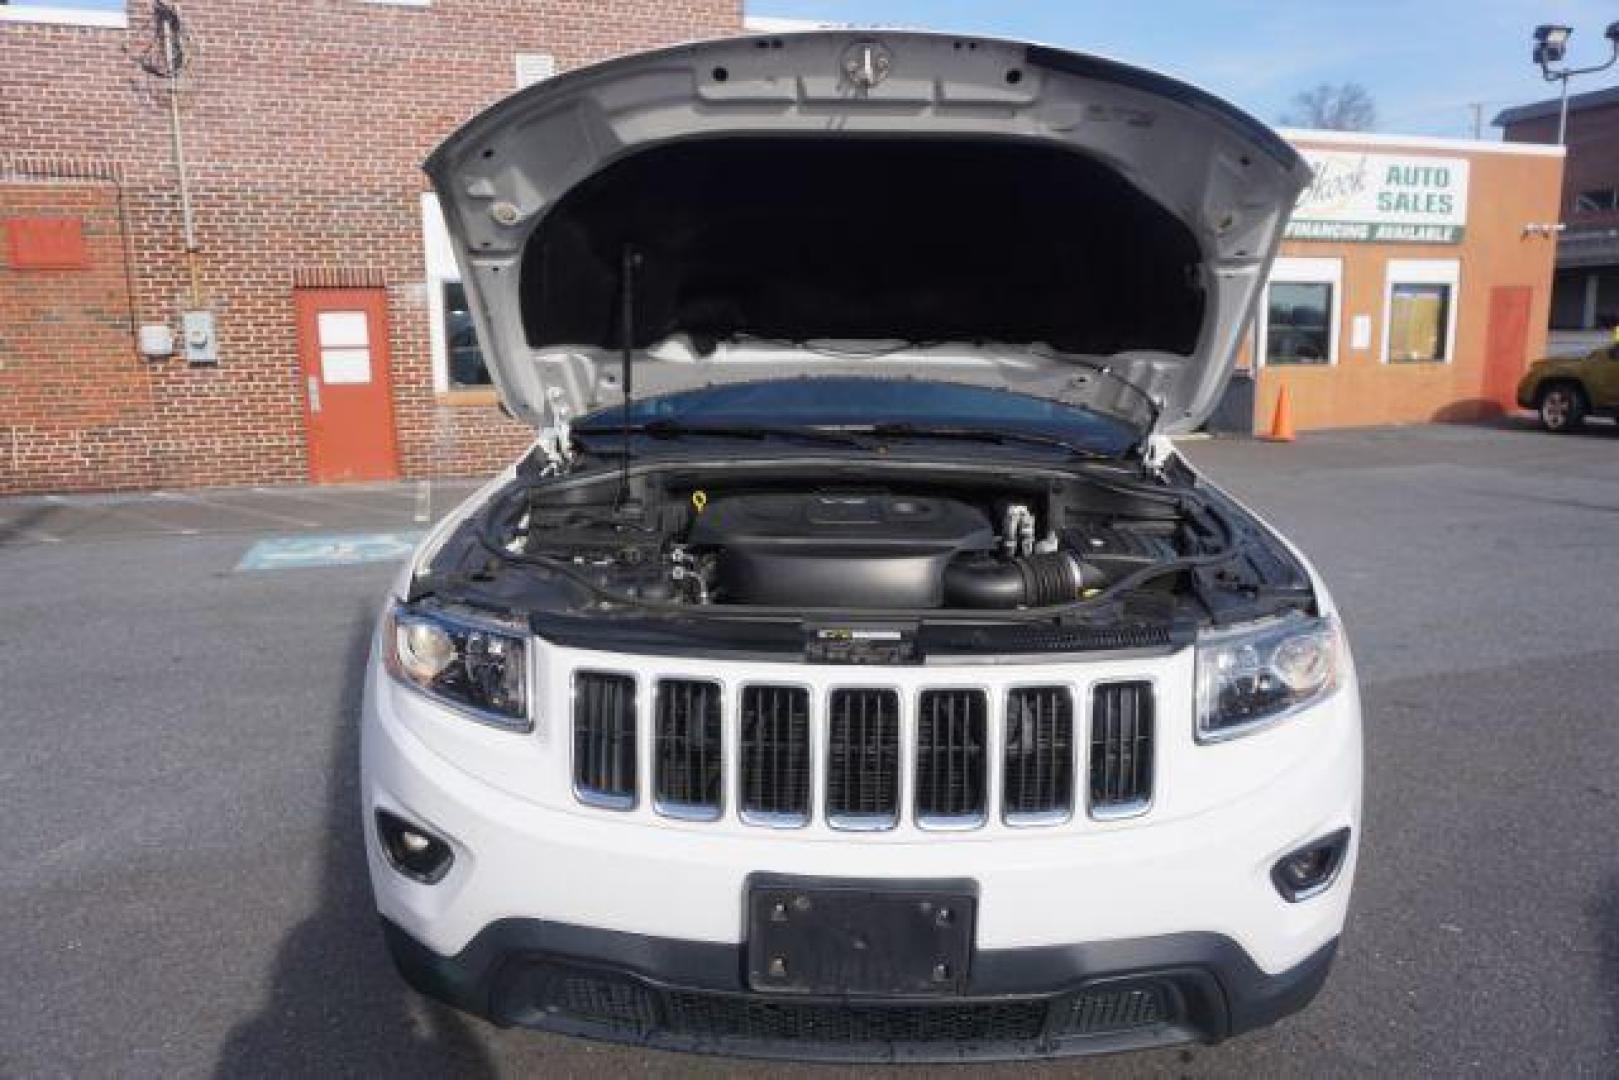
348	394
1506	343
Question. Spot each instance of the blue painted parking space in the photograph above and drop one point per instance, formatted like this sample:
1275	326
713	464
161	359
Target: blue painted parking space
329	549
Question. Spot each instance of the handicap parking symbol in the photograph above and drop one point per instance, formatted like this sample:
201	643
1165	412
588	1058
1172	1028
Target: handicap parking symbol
329	549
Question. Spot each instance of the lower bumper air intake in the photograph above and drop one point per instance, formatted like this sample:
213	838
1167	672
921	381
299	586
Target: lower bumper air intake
691	996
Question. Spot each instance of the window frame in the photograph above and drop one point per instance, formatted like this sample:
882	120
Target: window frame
45	14
1294	270
1446	272
440	269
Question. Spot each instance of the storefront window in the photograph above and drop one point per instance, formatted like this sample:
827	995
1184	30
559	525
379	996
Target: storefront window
1419	321
1299	323
465	356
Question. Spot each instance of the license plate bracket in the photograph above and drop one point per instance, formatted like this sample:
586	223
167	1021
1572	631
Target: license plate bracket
860	939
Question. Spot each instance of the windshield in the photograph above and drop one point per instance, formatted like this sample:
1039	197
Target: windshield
854	402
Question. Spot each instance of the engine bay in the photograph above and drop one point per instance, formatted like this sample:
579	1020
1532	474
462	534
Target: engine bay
866	548
918	543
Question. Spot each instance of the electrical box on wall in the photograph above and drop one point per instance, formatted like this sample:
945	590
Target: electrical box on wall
197	333
157	341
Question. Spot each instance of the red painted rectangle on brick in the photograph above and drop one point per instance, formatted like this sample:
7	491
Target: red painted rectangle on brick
53	243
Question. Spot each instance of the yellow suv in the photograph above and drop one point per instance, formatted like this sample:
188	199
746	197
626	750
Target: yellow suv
1564	390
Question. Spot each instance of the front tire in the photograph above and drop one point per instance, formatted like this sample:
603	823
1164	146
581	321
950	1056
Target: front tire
1562	408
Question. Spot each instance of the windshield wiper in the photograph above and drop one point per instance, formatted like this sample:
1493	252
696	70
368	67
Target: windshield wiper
848	435
907	430
677	429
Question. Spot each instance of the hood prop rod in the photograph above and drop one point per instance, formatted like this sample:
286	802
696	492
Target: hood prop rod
631	263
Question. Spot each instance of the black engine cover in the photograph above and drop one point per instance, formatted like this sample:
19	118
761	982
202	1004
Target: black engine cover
837	549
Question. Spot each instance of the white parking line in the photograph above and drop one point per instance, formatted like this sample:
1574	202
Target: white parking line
424	500
344	499
120	509
250	511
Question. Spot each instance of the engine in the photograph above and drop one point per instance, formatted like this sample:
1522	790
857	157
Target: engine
874	550
867	549
851	548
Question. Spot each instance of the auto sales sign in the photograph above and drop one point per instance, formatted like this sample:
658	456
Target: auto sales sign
1381	199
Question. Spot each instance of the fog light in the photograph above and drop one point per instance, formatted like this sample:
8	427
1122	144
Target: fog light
412	850
1310	870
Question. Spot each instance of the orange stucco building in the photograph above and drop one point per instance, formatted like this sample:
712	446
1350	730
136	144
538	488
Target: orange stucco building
1414	284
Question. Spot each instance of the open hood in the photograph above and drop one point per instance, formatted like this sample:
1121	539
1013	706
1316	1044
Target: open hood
873	203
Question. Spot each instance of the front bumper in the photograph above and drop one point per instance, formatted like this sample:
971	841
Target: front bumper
1055	1001
1091	935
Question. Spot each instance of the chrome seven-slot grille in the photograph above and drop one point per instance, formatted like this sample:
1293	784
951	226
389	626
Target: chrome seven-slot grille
861	759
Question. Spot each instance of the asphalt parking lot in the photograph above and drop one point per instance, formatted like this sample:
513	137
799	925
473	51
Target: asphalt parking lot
184	891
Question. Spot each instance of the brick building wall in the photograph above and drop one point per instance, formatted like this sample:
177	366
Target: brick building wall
1593	157
1586	295
305	125
72	386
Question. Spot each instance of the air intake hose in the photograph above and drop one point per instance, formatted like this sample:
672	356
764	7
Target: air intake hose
1029	581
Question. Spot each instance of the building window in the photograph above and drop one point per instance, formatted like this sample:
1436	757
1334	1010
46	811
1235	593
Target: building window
110	14
458	362
461	350
1299	323
1597	201
1419	313
1302	302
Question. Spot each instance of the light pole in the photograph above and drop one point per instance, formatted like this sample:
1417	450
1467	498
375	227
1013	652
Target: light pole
1551	42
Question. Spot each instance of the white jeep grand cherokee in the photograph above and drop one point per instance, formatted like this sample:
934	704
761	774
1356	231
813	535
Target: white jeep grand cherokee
853	669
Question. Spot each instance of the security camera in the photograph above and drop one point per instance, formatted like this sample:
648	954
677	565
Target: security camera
1551	42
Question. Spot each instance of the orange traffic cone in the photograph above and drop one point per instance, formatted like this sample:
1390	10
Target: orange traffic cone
1281	421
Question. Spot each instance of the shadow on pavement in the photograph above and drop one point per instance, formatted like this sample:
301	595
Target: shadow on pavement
336	1005
1595	427
1471	411
21	527
1605	912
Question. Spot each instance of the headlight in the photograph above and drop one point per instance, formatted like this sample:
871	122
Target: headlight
1254	675
476	666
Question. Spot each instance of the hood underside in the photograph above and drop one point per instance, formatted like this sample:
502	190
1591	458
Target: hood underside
812	238
874	203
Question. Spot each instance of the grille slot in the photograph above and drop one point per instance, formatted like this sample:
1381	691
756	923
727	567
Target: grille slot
604	739
1038	780
862	767
600	1000
1121	748
950	729
852	1024
1093	1012
687	744
774	752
